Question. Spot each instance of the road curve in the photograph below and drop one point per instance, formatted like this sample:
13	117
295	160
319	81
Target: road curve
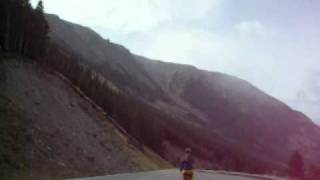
172	174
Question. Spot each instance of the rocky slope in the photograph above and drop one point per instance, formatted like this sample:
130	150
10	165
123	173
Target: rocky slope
222	117
66	135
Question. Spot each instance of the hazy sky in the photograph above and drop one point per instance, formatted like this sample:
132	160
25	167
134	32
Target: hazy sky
274	44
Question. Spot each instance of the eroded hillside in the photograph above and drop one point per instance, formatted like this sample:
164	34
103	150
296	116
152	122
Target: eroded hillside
66	135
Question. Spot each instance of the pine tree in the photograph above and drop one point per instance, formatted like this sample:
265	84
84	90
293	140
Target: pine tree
40	7
296	166
42	31
22	29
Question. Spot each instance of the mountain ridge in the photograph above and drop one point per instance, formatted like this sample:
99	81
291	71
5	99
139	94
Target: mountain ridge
225	114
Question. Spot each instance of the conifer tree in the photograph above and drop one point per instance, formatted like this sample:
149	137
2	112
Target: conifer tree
296	166
40	7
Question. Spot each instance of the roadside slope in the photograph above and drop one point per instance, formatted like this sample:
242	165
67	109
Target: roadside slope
67	135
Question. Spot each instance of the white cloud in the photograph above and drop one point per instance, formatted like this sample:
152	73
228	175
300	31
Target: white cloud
250	51
128	16
207	50
250	28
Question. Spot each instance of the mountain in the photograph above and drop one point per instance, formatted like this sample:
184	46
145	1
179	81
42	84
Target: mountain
229	123
54	130
109	59
263	126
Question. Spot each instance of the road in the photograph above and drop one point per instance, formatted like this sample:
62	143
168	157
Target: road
173	175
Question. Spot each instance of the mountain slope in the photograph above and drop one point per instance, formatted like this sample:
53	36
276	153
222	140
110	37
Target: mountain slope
109	59
238	110
66	135
229	123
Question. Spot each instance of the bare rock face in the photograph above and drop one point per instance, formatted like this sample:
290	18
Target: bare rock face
221	116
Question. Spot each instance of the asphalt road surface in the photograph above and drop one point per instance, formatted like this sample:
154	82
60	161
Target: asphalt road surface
172	175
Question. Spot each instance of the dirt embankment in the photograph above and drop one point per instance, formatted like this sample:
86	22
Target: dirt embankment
69	137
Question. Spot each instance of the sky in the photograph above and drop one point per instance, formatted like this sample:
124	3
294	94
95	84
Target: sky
272	44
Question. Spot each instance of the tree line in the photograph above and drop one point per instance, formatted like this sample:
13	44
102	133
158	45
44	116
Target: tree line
23	29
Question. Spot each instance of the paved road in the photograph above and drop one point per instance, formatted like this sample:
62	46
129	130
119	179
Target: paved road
169	175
